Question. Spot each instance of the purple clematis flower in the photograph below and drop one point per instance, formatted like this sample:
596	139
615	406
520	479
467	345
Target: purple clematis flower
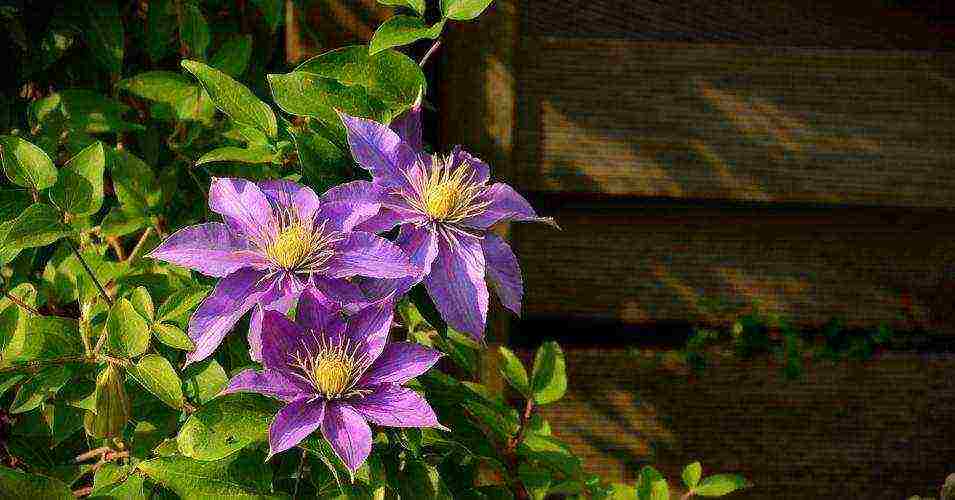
338	376
444	206
278	238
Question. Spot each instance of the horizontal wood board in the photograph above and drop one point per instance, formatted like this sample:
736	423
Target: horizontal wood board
643	266
619	118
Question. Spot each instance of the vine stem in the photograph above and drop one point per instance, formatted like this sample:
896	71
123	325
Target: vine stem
23	305
89	271
427	55
298	477
139	245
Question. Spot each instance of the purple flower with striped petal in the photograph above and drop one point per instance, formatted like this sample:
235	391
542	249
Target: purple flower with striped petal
337	376
278	238
444	206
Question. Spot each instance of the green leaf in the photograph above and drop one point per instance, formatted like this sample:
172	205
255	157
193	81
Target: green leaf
389	76
648	476
691	475
84	111
536	480
244	477
134	182
105	35
194	31
402	30
514	372
549	378
621	491
204	381
173	336
128	331
463	10
324	164
17	484
13	202
233	56
241	155
718	485
226	425
176	97
307	94
120	221
115	481
181	303
233	98
549	451
660	490
156	374
79	187
142	303
25	164
271	12
46	383
38	226
43	337
416	5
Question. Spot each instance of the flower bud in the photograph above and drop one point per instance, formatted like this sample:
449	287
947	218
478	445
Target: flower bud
112	404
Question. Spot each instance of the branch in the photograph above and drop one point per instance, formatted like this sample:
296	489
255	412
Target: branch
89	271
139	245
427	55
39	364
23	305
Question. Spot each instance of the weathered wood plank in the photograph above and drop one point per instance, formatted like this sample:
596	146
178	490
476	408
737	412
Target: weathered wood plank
873	430
917	24
641	266
740	123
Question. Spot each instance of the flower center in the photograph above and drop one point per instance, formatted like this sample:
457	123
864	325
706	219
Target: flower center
291	246
446	194
334	369
332	374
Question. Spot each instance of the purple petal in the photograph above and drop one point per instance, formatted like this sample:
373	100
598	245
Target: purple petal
364	254
461	158
317	312
211	248
279	298
243	205
421	245
504	272
395	406
343	293
344	215
284	341
269	382
368	328
295	422
287	194
354	192
348	433
400	362
379	150
456	283
505	204
408	124
233	296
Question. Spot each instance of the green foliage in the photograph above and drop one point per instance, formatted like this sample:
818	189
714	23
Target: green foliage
124	113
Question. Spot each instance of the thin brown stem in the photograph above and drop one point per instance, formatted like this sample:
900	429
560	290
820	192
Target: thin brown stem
23	305
39	364
117	248
82	492
139	245
298	477
89	271
429	53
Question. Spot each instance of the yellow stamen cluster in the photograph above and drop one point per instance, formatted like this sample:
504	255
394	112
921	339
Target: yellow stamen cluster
290	247
446	194
334	369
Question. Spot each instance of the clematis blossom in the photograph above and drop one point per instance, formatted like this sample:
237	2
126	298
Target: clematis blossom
445	206
277	239
337	376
